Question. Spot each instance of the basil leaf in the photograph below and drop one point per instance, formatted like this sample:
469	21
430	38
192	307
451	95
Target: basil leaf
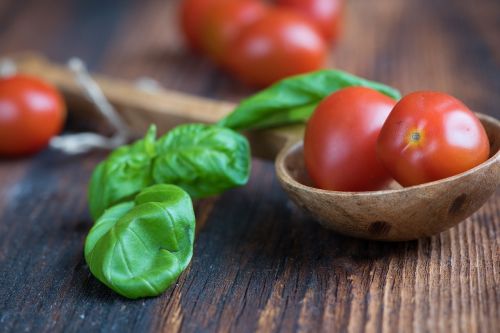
122	175
202	159
294	99
139	248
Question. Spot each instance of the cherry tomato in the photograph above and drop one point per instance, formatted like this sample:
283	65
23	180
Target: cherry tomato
325	14
225	21
31	112
430	136
192	14
340	140
279	44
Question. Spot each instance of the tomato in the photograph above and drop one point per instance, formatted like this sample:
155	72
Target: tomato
430	136
340	140
31	112
279	44
325	14
225	21
192	13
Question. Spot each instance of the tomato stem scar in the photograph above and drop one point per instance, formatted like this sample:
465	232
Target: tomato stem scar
415	136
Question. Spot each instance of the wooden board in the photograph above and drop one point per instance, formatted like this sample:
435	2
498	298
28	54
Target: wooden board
260	264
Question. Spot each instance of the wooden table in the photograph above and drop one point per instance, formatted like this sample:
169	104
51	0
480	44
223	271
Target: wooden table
260	264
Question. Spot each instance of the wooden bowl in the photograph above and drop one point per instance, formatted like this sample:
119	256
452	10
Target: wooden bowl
394	214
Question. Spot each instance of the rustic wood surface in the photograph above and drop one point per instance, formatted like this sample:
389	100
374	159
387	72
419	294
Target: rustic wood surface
260	264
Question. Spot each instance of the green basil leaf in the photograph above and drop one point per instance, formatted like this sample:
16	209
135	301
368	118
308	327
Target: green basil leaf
139	248
202	159
122	175
294	99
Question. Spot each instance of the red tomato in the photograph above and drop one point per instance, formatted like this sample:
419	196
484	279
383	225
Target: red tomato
225	21
325	14
31	112
192	14
340	140
430	136
279	44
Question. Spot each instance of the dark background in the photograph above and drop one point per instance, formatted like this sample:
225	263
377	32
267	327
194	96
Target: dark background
259	263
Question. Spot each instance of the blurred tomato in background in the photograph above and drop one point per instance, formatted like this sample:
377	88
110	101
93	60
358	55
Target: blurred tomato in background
31	113
280	44
224	23
192	12
261	42
325	14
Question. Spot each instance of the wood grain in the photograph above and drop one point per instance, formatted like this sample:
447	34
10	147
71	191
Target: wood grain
260	264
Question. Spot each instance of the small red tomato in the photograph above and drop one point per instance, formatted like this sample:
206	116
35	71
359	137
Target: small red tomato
340	140
192	14
31	112
325	14
430	136
279	44
225	21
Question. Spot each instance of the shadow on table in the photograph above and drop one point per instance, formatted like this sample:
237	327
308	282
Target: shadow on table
272	229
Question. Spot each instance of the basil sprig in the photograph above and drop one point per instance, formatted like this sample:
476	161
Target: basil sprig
139	248
204	160
294	99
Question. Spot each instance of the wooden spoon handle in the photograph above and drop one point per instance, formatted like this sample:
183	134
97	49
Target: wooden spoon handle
139	108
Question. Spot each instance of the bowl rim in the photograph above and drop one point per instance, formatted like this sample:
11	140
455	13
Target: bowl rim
283	170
